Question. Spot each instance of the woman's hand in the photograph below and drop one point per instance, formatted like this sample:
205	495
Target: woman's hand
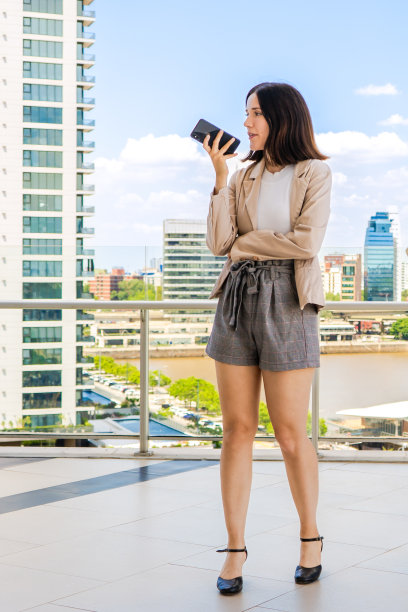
217	155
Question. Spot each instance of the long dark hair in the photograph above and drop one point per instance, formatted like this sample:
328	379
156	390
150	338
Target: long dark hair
291	138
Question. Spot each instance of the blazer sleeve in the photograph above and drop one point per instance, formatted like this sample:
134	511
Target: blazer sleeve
222	226
306	238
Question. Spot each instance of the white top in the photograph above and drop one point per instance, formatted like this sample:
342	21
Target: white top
274	198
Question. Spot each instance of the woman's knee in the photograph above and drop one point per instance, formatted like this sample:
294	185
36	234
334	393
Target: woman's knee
290	441
239	432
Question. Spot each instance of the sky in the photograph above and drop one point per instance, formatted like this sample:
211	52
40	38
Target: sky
161	66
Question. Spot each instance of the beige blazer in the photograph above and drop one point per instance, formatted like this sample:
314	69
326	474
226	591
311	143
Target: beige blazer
232	225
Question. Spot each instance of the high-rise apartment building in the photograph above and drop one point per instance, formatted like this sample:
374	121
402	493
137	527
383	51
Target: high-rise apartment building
44	87
379	259
189	268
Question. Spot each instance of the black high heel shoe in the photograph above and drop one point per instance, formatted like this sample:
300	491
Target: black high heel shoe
229	586
304	575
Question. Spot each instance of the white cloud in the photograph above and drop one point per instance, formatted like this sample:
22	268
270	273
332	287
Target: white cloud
394	120
357	147
377	90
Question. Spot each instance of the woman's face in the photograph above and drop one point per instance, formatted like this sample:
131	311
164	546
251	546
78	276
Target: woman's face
256	124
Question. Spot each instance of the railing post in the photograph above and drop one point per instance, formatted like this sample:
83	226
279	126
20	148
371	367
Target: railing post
144	383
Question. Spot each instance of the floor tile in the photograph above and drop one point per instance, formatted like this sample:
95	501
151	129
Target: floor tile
357	528
352	590
195	524
22	588
174	588
395	560
102	555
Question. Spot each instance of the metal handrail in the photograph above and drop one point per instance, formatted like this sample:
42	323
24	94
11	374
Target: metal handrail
145	306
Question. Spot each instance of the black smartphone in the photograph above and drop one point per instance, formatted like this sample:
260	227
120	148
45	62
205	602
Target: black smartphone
204	127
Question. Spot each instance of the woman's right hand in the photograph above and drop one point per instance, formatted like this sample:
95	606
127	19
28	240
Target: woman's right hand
217	155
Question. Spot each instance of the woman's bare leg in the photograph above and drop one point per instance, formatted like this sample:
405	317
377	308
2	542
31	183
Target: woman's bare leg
239	389
287	394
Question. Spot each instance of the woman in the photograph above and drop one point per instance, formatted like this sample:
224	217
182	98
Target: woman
270	220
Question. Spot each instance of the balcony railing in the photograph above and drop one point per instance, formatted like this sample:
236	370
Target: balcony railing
86	78
87	122
86	144
84	13
87	35
343	307
86	166
85	252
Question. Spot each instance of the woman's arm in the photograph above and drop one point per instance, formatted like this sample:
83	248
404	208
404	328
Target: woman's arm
222	226
308	233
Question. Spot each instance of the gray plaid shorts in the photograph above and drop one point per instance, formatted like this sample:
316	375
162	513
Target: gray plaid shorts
258	319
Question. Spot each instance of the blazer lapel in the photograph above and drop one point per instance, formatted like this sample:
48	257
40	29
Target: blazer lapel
252	184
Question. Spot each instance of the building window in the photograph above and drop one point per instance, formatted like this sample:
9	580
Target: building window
40	70
39	291
35	25
42	356
42	202
42	268
40	180
45	225
42	48
43	93
43	6
42	246
42	378
41	400
35	314
42	159
42	334
42	136
42	114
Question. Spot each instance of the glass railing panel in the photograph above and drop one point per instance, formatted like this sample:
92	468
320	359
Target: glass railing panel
359	351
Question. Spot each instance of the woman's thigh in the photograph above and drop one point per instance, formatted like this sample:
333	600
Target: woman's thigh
239	388
287	396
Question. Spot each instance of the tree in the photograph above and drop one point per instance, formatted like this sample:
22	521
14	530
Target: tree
400	329
264	418
135	289
187	389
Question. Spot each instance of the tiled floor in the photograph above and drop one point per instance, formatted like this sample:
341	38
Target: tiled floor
118	535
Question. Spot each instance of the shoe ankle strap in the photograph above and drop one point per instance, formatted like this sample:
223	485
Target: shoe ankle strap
313	539
233	549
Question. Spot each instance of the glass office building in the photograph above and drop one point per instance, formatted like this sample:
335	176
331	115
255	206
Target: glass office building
45	133
379	259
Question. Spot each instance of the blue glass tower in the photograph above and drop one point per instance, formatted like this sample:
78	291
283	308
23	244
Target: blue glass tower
379	259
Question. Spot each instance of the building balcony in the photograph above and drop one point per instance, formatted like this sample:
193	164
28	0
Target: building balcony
83	189
86	230
160	519
86	38
85	252
81	339
87	146
86	81
86	167
87	60
86	210
86	103
87	17
86	274
86	125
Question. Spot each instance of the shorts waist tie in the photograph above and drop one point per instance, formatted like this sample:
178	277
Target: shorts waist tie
243	273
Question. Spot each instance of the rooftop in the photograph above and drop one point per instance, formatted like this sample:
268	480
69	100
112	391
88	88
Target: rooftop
124	534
